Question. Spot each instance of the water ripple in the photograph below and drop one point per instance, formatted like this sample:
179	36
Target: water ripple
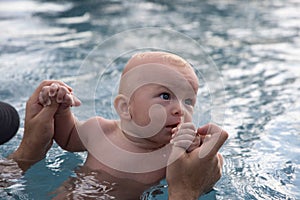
255	44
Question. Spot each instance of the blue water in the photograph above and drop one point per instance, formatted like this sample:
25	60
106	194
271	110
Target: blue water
255	46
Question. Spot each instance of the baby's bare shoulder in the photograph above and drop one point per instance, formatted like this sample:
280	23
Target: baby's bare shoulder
91	129
107	125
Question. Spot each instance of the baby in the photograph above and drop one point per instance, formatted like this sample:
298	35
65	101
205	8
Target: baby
155	103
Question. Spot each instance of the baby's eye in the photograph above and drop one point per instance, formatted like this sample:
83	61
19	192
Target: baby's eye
165	96
188	102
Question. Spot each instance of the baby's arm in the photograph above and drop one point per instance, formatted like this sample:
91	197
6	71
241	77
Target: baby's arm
65	123
185	136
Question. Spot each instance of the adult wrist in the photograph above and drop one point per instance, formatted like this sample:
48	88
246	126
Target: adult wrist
180	196
181	193
23	161
25	153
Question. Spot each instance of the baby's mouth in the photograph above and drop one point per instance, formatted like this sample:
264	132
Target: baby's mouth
172	125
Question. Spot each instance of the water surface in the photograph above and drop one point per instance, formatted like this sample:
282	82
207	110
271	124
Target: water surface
254	44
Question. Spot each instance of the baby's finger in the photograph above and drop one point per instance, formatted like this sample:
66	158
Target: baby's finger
185	144
44	98
77	102
53	89
62	91
43	101
68	100
71	100
182	126
183	137
174	130
188	125
186	132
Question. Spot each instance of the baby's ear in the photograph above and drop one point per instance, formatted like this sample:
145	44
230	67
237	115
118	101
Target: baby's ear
121	104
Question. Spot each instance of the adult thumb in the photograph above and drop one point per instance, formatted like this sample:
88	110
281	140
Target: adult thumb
48	112
176	153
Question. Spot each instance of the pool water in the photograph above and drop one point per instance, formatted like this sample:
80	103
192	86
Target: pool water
255	45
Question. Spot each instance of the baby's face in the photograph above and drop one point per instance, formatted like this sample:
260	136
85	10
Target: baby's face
164	102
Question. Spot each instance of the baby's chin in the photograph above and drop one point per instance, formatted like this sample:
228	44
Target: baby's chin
165	138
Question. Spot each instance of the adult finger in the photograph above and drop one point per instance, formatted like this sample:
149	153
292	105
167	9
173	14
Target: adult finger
214	139
48	112
221	160
177	152
208	129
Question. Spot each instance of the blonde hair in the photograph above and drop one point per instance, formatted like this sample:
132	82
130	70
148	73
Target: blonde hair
160	57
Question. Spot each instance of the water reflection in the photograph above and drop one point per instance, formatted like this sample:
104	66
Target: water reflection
87	184
255	44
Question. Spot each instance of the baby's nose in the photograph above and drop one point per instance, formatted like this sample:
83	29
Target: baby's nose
177	109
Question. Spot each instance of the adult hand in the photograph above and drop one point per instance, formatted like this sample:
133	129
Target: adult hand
189	175
38	130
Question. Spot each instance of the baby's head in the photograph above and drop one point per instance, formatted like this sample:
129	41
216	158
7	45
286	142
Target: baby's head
157	91
164	58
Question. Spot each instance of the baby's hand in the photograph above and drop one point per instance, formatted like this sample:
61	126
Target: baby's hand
185	136
58	93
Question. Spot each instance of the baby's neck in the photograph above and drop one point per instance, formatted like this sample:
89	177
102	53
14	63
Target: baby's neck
136	144
143	144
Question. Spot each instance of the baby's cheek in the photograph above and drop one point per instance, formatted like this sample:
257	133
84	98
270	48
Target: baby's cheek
188	117
139	115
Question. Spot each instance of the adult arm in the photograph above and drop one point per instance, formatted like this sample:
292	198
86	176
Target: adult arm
65	123
38	131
